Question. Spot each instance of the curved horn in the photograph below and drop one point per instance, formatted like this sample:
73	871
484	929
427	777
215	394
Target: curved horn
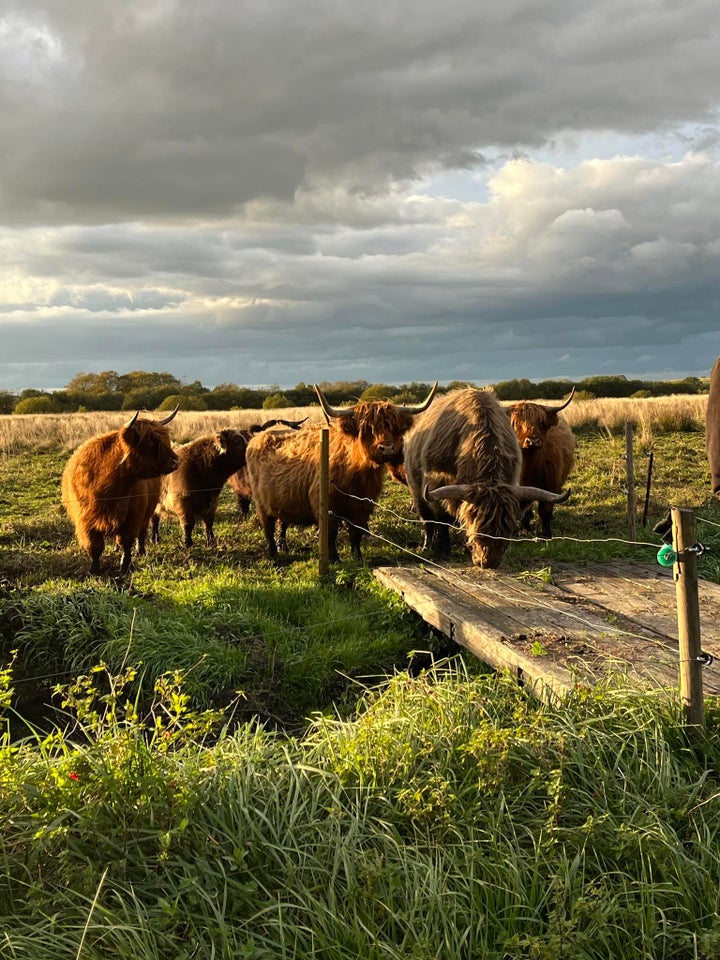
170	417
327	409
562	405
452	491
132	419
526	494
423	406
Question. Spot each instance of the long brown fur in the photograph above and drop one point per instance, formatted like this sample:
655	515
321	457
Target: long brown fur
239	482
284	471
110	487
548	453
192	492
465	438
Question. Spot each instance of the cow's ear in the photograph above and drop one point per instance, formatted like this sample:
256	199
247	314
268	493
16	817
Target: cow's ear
348	425
131	435
220	442
552	419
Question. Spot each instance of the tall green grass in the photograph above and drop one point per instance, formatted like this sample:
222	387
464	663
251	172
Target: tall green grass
452	817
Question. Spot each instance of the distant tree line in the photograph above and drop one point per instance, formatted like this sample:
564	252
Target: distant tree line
140	390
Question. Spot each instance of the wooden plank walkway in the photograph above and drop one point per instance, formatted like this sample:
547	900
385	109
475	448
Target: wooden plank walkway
589	621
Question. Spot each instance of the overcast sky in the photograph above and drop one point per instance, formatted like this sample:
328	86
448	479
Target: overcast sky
275	191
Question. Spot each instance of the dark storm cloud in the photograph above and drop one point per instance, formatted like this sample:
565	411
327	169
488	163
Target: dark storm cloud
275	192
170	109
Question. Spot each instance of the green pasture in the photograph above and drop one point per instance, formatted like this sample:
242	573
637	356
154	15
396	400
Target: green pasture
220	757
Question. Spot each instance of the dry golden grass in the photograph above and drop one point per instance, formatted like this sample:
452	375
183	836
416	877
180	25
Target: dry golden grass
65	431
649	415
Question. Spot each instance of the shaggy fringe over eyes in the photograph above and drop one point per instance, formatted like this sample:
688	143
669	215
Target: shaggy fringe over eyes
495	511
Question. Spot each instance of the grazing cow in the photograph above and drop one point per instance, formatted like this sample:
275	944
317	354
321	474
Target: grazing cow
239	482
547	445
192	492
462	460
284	470
111	485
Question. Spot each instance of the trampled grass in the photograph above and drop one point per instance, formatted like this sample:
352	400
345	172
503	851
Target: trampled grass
439	814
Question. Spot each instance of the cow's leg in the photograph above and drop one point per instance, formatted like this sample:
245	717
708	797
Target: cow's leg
332	540
441	540
545	511
243	503
527	518
428	533
282	540
188	525
355	536
95	544
126	546
436	536
268	526
210	538
155	528
141	541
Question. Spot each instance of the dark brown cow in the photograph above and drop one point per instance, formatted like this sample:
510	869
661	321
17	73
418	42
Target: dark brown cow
462	461
284	470
110	486
548	452
193	491
239	482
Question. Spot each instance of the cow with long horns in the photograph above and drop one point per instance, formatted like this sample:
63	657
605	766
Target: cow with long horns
463	461
284	470
547	445
111	486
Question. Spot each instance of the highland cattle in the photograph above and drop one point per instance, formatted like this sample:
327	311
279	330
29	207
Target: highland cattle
547	445
462	461
284	470
192	492
111	485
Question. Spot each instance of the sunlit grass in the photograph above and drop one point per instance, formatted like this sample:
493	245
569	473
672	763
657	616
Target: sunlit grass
452	817
52	432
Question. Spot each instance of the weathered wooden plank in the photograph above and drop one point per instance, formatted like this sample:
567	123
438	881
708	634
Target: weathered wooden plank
576	635
457	618
644	595
592	621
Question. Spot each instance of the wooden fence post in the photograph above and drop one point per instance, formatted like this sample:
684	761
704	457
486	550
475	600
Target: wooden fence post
324	505
688	614
630	467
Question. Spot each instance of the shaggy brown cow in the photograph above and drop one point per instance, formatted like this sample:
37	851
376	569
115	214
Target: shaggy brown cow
239	482
110	486
284	470
462	461
548	452
192	492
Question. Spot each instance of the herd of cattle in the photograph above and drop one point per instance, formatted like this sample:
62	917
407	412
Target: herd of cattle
466	459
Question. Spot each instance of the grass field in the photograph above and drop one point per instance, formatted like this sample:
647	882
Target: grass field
232	773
